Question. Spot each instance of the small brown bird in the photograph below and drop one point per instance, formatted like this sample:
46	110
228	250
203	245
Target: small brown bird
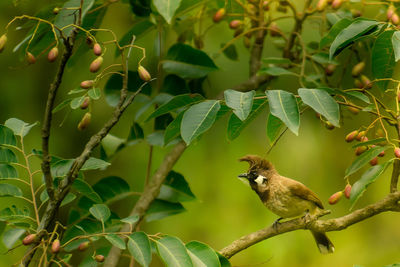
283	196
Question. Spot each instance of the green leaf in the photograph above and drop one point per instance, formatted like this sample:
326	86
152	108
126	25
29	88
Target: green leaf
100	211
116	241
322	103
94	93
223	261
77	102
358	28
112	144
274	128
7	136
111	188
176	102
19	127
202	255
363	159
198	119
137	30
366	179
95	164
7	156
241	103
334	31
235	125
140	8
156	138
175	189
323	58
160	209
9	190
159	99
173	130
167	8
11	236
7	171
136	133
396	45
187	62
370	142
139	247
276	60
230	52
85	189
131	219
61	167
173	252
383	58
283	105
359	96
14	214
62	105
275	71
68	199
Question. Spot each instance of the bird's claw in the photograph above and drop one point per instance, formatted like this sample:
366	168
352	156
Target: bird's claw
276	223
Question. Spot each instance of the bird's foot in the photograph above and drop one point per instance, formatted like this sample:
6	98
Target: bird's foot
276	223
307	218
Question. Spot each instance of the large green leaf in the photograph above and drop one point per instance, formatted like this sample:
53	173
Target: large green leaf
100	211
111	144
173	130
366	179
383	58
240	102
177	102
14	214
198	119
358	28
369	142
396	45
8	171
139	247
334	31
7	136
111	188
160	209
19	127
363	159
322	103
274	128
323	59
116	241
175	189
235	125
223	261
167	8
9	190
173	252
7	156
85	189
11	236
202	255
188	62
61	167
283	105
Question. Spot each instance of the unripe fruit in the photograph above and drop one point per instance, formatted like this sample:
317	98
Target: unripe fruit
85	103
99	258
397	152
219	15
347	191
84	123
390	11
364	139
96	64
97	49
336	4
382	154
358	84
335	198
55	247
373	161
83	246
265	5
321	5
56	10
144	74
87	84
29	239
367	84
398	97
274	30
354	110
53	54
360	135
395	19
30	58
234	24
330	69
351	136
360	150
3	41
329	125
358	68
356	13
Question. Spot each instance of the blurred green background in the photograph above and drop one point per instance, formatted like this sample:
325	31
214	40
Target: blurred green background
226	209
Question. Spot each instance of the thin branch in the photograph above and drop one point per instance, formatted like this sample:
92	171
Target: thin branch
389	203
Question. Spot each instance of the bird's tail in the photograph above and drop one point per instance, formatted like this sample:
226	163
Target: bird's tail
325	246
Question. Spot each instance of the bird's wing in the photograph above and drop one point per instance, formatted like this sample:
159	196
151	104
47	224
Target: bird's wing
300	190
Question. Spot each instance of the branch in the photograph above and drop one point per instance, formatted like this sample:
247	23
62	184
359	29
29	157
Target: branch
396	165
150	192
389	203
258	45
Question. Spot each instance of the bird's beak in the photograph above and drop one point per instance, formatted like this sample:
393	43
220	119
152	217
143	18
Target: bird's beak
242	175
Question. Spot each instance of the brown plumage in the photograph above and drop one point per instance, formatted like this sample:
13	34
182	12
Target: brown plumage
284	196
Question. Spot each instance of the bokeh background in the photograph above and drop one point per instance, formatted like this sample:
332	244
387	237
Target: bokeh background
226	209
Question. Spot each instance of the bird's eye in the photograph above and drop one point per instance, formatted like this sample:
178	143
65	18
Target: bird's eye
252	175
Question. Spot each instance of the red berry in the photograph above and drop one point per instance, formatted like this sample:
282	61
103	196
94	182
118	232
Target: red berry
347	191
335	198
29	239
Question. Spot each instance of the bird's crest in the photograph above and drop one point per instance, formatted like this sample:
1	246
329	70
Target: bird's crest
257	162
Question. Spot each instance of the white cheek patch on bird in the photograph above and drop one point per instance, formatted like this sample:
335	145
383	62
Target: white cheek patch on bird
260	180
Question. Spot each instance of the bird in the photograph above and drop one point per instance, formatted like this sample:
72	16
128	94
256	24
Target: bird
285	197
